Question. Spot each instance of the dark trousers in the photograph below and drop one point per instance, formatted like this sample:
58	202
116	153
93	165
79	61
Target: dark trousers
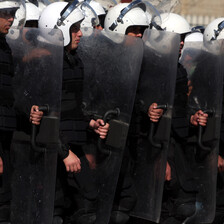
5	191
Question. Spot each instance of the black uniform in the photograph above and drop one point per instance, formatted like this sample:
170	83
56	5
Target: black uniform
179	195
76	188
29	167
219	216
7	124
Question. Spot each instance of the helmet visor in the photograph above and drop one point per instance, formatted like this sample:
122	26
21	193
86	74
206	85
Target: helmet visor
90	13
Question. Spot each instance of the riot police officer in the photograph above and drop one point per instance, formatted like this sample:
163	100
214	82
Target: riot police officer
179	127
127	19
8	123
183	160
214	31
73	125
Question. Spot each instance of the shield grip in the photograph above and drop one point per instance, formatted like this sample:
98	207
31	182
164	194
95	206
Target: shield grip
46	133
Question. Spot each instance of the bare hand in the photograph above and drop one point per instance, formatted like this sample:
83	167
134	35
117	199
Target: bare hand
199	118
35	115
92	161
154	113
72	163
99	127
168	172
1	166
220	164
36	53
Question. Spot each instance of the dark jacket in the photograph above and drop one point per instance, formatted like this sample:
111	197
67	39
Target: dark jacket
73	124
7	115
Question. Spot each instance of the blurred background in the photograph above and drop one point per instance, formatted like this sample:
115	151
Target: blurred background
197	12
201	12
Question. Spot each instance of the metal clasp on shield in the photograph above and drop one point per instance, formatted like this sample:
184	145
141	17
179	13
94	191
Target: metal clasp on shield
152	129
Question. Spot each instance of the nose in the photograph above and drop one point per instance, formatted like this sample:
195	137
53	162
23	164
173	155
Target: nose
10	18
80	33
139	35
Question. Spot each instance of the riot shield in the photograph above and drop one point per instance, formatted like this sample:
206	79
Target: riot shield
107	4
111	64
37	81
156	85
205	93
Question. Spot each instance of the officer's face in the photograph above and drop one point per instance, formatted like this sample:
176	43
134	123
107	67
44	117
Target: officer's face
101	25
98	27
135	31
76	35
6	20
181	42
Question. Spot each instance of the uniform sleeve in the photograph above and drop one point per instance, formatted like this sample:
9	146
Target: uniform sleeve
63	150
180	119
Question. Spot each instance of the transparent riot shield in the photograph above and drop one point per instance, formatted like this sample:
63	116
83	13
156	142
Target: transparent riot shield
203	61
156	85
111	66
38	57
107	4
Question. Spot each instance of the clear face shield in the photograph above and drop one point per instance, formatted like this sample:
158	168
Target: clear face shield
5	13
199	29
15	9
67	11
48	2
156	7
91	18
15	13
153	14
106	4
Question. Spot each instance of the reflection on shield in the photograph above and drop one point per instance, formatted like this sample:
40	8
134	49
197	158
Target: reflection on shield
156	85
112	65
38	56
203	61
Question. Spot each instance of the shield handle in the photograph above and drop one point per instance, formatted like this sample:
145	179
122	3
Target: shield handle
152	130
45	109
107	116
203	150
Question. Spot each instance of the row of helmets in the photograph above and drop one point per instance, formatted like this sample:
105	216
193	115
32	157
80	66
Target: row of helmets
117	17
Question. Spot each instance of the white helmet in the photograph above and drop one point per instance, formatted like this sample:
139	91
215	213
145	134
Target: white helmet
41	6
192	44
9	4
194	37
91	12
124	15
32	12
18	11
97	8
214	30
20	16
107	4
61	15
174	23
